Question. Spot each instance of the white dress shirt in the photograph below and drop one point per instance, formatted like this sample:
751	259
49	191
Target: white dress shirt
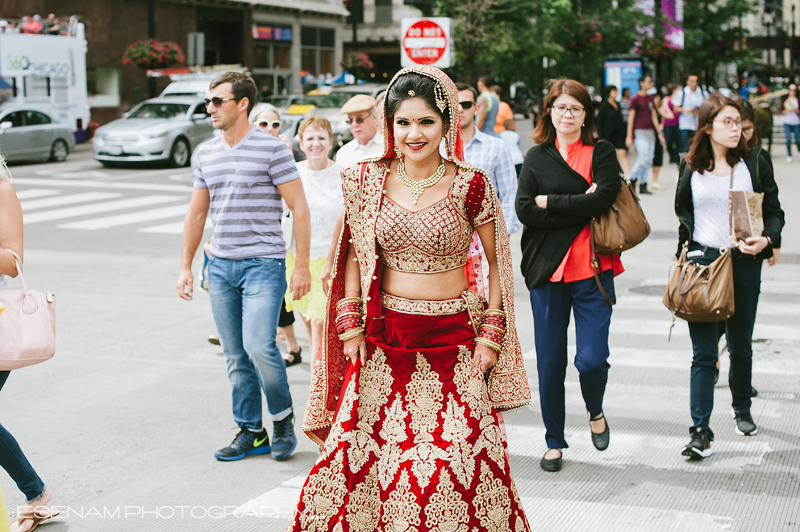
354	151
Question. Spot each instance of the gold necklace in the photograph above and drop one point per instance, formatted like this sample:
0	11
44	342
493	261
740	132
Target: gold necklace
418	187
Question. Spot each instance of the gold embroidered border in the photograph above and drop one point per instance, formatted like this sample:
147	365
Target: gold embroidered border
445	307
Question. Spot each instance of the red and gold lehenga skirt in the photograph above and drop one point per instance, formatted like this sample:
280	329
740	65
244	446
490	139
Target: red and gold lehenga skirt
415	444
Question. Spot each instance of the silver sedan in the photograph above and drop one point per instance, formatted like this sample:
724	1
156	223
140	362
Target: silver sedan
28	134
164	129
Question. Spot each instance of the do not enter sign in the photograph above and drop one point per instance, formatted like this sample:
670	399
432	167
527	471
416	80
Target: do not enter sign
426	41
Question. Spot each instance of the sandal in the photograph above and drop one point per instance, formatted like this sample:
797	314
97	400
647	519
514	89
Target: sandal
37	516
296	358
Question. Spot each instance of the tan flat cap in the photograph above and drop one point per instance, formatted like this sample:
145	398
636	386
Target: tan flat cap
358	103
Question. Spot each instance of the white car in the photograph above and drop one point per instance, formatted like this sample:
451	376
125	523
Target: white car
165	129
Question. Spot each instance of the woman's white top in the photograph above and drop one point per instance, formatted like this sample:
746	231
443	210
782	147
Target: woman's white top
712	218
792	118
323	190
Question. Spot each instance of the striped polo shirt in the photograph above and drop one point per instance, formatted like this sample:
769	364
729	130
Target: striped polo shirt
242	182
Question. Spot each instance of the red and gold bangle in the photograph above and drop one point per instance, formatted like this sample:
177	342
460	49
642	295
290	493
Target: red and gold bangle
346	300
346	314
343	326
500	330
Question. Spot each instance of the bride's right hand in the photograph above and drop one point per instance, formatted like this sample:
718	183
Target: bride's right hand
356	346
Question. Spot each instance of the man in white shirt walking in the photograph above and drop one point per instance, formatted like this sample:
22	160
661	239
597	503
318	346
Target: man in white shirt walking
688	105
367	141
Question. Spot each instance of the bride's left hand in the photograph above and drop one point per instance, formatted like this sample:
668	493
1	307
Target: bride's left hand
485	359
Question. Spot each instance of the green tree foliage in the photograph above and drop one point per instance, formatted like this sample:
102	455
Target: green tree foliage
711	29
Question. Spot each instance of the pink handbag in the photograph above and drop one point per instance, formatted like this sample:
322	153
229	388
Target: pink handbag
27	325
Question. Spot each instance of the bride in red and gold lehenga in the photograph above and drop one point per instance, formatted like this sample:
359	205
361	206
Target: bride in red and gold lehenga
416	363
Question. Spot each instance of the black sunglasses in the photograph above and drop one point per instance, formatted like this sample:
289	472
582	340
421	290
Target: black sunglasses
216	101
466	105
358	120
275	124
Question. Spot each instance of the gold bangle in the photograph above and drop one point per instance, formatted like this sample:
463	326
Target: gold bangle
495	312
498	329
352	333
488	343
348	300
354	313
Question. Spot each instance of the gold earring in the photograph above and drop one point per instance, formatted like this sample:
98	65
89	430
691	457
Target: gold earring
398	152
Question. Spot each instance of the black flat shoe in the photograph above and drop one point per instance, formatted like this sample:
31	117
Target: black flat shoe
213	339
296	358
601	440
552	464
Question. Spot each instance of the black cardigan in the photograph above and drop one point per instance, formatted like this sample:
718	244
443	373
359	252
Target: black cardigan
760	167
548	233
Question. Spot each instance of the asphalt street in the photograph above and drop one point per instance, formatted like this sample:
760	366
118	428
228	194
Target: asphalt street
122	424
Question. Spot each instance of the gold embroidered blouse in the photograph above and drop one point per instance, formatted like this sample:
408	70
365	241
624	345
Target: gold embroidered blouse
434	239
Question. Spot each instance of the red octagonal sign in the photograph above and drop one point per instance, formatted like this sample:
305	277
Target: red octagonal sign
425	42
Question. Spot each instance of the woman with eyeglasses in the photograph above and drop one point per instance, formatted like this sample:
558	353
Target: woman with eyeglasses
323	188
568	177
719	154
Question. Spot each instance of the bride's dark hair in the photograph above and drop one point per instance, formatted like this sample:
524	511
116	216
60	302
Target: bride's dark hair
422	87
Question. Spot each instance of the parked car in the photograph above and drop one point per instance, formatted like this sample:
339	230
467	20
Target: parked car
160	129
282	103
29	134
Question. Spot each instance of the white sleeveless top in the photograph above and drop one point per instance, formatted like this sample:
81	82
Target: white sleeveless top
712	219
323	190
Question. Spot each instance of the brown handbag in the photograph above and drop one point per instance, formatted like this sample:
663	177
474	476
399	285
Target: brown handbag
623	226
701	293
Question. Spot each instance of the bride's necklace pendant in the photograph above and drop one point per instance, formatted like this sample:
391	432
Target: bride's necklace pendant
416	188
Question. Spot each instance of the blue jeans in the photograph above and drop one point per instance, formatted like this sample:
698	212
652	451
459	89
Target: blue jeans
687	135
739	332
789	129
645	149
14	462
246	298
551	304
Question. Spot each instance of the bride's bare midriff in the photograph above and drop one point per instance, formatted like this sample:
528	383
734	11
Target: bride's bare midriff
430	286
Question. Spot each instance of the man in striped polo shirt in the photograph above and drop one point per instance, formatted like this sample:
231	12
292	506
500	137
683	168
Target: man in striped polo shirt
240	178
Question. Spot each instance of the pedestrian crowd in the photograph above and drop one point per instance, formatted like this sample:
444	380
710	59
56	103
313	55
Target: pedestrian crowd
396	254
34	24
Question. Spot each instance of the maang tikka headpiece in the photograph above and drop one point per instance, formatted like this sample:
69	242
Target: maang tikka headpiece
440	94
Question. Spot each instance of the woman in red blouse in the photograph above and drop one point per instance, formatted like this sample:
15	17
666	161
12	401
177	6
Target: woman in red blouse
567	178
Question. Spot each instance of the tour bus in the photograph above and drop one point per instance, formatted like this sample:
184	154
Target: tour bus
48	72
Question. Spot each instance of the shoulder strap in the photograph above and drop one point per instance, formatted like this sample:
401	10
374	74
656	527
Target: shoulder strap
732	239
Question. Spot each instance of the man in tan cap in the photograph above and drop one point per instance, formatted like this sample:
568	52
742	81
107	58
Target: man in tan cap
367	142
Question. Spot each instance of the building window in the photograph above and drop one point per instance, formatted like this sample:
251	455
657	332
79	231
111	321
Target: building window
272	46
383	11
102	85
317	49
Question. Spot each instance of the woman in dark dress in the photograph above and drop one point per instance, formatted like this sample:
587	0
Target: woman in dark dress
611	126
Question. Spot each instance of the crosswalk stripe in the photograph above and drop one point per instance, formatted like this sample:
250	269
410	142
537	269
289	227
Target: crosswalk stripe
577	516
639	449
36	193
175	228
127	219
661	328
765	308
71	199
83	210
153	187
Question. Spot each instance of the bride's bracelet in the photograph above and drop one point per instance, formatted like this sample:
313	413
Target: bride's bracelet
351	333
488	343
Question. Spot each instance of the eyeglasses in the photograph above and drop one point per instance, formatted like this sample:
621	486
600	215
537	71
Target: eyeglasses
729	122
559	110
358	120
217	101
274	125
466	105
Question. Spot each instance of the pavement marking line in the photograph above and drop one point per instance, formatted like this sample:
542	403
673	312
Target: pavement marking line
36	193
277	503
126	219
71	175
572	515
641	450
153	187
627	326
171	229
83	210
71	199
640	302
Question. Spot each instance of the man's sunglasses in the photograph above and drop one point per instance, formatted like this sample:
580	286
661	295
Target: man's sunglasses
217	101
276	124
466	105
358	120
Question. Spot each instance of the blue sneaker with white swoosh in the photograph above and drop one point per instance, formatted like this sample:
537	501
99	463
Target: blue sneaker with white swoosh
244	444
